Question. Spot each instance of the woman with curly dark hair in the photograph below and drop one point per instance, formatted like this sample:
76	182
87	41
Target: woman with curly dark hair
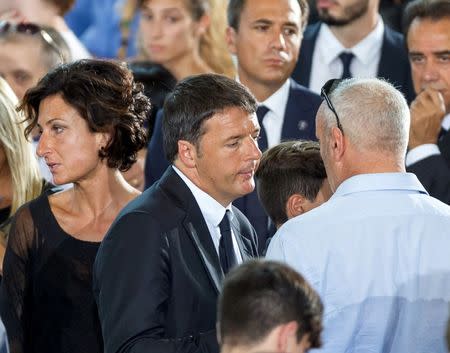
90	114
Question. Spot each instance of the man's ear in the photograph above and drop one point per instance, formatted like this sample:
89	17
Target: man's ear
294	205
230	37
187	153
338	143
287	337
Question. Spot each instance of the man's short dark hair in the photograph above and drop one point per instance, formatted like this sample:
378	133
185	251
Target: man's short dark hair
195	100
425	9
235	8
106	96
291	167
260	295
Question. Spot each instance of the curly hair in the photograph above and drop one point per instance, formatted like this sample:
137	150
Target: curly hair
105	94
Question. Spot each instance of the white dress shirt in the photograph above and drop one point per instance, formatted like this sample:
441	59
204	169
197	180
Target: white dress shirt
426	150
212	212
327	65
273	120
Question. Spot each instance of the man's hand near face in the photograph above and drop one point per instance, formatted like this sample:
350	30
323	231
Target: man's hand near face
427	112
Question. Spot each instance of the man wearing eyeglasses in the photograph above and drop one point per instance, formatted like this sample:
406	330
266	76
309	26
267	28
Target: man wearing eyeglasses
428	39
377	251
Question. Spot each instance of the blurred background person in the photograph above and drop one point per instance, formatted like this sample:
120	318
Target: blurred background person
20	180
90	115
427	30
107	28
186	37
28	52
266	306
352	40
46	13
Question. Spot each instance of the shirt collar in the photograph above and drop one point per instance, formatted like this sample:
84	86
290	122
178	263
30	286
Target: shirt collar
277	101
212	211
378	182
363	51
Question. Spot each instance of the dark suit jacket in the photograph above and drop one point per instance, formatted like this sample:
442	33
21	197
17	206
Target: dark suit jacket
434	172
299	123
393	66
157	273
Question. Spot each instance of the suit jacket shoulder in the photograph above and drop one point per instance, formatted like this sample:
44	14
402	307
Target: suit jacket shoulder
300	114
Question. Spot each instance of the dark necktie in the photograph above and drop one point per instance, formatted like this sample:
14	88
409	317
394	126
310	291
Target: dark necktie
261	113
346	59
226	251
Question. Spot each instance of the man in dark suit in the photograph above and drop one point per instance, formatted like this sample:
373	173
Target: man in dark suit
351	40
158	272
428	37
265	36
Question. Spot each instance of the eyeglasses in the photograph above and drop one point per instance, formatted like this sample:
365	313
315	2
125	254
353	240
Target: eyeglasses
31	28
326	90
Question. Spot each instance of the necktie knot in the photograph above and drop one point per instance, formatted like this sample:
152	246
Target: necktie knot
346	59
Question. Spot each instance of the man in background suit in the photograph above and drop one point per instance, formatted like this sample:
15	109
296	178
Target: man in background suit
158	271
428	37
265	36
351	40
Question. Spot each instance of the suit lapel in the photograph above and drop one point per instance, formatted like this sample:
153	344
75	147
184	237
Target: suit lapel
302	71
195	226
244	244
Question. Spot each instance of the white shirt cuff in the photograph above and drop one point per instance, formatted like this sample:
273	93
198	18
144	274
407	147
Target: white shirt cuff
421	152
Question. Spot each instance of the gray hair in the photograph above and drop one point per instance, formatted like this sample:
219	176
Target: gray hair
373	113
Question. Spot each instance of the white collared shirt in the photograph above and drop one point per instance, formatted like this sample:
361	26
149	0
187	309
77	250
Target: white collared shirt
212	212
427	150
273	120
327	65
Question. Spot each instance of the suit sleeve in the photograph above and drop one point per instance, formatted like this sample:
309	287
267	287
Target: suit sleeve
132	288
434	174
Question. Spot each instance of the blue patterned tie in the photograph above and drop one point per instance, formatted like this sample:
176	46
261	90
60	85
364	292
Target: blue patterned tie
346	59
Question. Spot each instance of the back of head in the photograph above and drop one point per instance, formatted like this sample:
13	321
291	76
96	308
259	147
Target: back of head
196	99
105	95
260	295
373	114
291	167
433	10
19	153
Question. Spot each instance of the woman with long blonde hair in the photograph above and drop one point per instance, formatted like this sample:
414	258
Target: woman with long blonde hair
187	37
20	180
